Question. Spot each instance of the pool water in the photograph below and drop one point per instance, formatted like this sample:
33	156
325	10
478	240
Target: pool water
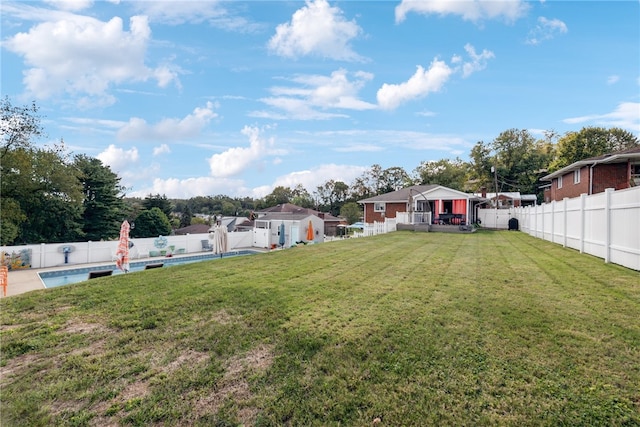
53	279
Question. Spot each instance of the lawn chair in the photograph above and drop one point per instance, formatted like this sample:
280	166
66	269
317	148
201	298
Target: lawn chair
206	246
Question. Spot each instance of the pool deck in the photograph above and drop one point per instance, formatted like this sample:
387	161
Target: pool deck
22	281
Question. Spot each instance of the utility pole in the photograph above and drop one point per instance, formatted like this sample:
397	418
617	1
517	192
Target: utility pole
495	175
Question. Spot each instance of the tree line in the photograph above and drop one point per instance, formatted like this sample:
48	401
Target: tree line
48	195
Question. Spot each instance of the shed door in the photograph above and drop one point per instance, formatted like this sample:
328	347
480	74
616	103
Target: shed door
261	237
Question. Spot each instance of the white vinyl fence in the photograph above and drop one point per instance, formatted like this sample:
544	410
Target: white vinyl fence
606	225
54	254
371	229
495	218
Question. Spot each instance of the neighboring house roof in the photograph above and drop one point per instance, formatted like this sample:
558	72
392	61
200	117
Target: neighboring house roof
286	207
294	209
402	195
192	229
515	195
617	157
230	222
284	216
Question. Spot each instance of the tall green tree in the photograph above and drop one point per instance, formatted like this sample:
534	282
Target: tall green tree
19	126
377	180
278	196
393	179
151	223
519	160
52	199
445	172
160	202
301	197
332	195
479	171
104	209
351	212
591	142
186	217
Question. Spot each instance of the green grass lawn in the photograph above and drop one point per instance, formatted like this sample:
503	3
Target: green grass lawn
489	328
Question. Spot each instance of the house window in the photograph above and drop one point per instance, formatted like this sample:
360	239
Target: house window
378	207
576	176
560	181
635	174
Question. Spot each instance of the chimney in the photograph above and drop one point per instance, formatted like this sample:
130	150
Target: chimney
483	190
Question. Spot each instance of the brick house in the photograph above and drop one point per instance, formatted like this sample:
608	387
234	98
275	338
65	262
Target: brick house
420	204
618	170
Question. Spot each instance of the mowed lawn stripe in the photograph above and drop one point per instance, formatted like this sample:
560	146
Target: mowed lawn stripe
489	328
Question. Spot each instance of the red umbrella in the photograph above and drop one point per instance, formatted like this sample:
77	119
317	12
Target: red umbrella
310	231
122	254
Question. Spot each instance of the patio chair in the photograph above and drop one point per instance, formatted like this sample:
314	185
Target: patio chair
206	246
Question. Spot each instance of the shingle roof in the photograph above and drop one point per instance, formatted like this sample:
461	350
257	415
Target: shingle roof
294	209
193	229
617	157
402	195
273	216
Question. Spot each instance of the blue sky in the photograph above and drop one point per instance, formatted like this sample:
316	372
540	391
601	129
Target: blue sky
203	98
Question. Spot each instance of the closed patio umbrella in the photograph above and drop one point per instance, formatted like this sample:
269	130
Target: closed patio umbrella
310	231
122	254
220	239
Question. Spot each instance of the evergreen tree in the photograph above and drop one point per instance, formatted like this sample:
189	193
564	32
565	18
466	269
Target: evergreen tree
185	218
151	223
160	202
104	209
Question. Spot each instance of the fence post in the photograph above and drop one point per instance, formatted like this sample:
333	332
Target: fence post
583	219
43	258
544	208
553	221
564	221
607	216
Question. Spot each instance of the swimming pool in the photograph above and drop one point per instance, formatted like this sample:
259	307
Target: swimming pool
53	279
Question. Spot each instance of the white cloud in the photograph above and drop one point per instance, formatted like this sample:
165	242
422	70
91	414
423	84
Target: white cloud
193	187
422	83
83	57
358	148
72	5
626	116
312	178
194	12
469	10
546	29
119	159
315	94
161	149
612	79
478	61
294	109
170	128
316	29
235	160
